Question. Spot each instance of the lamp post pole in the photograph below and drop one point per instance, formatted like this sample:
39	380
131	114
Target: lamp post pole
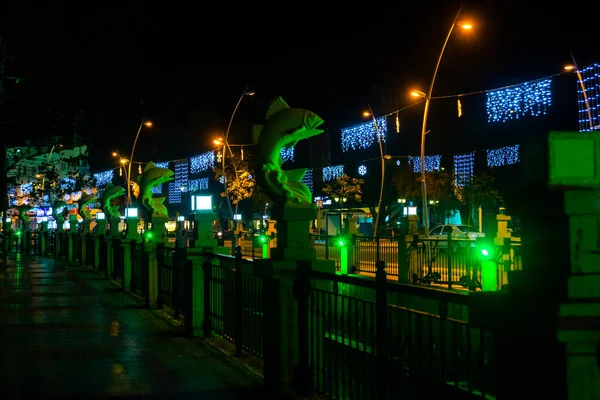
382	173
137	135
424	126
226	143
583	92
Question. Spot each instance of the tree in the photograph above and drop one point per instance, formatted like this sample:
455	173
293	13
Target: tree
479	192
407	183
239	179
345	187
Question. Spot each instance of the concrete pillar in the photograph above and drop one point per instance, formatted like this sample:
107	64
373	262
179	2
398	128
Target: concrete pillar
153	265
127	244
114	227
159	234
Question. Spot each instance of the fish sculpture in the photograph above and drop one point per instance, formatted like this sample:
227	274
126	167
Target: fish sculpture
283	128
85	200
151	177
59	209
110	193
23	214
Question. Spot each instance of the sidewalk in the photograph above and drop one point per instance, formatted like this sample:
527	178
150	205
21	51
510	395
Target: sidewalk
66	332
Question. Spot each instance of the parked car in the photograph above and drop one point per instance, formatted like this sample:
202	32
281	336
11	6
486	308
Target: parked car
457	232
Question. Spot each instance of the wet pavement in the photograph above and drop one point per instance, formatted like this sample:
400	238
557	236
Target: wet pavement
67	333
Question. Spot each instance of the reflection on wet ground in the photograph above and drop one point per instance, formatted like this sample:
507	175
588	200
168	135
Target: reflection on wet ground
66	333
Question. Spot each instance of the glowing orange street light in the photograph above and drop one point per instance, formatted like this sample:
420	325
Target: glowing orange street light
466	26
148	124
569	67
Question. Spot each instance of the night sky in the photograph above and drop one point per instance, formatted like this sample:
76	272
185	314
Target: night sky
184	65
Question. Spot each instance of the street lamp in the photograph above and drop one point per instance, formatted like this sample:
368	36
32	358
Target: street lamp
122	161
147	124
370	114
573	67
245	93
424	131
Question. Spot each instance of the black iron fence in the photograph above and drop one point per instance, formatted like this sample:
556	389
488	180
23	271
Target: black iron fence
356	348
171	272
457	262
242	303
250	244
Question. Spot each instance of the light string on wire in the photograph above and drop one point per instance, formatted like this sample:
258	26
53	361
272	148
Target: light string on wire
459	95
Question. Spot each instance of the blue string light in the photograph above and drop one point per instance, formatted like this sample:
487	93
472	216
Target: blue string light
527	99
463	168
157	189
196	185
202	162
590	76
181	175
308	179
506	155
432	163
67	183
287	154
362	170
26	188
161	164
174	193
103	178
363	135
332	172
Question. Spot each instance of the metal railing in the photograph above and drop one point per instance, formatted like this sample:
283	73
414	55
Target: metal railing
242	302
456	262
171	272
356	348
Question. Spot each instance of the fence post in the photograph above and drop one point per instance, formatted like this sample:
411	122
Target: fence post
301	290
403	264
381	330
238	303
449	255
207	321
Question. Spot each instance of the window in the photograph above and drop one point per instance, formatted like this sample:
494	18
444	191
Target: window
462	228
436	231
447	230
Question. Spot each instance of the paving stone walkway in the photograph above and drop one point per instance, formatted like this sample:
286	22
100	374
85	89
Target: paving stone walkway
67	333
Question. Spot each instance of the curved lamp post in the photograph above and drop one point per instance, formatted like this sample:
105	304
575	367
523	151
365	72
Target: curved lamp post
424	131
575	68
147	124
370	114
226	142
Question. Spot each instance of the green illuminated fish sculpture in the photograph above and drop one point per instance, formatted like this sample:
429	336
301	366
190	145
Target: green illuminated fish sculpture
283	128
59	209
23	213
151	177
84	201
109	193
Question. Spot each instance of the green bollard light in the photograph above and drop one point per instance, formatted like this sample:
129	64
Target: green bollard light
264	242
148	236
343	245
489	268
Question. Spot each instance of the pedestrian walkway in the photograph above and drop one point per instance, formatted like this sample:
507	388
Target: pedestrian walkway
67	333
